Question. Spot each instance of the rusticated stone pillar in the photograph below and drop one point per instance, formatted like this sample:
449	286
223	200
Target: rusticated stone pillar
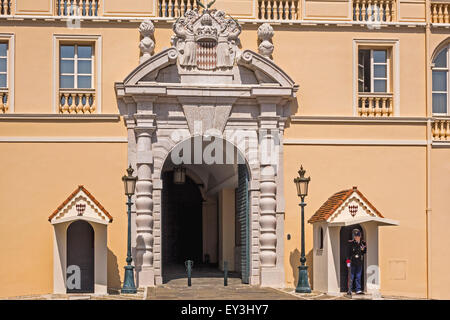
268	220
272	273
144	206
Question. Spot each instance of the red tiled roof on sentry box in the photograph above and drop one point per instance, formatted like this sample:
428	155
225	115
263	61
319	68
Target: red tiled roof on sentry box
73	194
335	201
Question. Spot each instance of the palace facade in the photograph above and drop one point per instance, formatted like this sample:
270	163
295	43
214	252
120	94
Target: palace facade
216	106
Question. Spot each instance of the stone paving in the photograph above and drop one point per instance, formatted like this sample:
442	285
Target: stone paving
206	285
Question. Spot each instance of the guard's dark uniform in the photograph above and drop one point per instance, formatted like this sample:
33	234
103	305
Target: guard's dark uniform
356	251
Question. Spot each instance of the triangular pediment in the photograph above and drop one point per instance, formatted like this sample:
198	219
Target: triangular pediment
349	207
80	205
353	208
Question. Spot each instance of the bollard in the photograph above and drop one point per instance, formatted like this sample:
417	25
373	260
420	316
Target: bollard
225	273
189	264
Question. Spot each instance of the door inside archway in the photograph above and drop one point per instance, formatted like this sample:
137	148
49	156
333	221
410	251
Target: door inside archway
80	253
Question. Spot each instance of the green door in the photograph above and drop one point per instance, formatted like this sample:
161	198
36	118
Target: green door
244	221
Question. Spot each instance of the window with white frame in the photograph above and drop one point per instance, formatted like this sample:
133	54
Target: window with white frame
3	65
76	66
373	71
440	82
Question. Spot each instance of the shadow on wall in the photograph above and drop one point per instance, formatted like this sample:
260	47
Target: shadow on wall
114	283
294	260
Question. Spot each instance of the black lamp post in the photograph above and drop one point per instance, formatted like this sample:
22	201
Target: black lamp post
302	190
130	184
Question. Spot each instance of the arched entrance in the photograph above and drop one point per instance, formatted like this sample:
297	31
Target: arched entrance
205	217
345	236
80	252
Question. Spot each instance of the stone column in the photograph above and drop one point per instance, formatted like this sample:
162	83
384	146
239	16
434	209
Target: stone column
268	220
272	273
144	199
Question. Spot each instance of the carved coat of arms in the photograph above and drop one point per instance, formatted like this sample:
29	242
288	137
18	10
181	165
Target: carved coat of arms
207	40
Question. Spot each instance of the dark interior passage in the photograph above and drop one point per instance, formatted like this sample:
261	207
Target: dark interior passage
181	222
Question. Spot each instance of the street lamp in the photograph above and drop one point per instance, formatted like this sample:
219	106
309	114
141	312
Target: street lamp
129	183
302	191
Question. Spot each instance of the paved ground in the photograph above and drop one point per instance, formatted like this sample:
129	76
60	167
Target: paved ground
207	284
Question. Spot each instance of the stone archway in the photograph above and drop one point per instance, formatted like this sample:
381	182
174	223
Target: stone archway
241	97
220	172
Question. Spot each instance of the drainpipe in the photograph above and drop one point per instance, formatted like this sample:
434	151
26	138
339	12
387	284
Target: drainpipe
429	141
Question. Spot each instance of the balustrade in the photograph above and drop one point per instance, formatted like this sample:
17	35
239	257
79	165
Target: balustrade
440	12
440	129
77	101
278	10
89	8
5	7
4	103
175	8
375	104
374	10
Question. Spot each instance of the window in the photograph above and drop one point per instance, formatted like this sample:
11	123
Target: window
373	71
76	67
3	65
440	82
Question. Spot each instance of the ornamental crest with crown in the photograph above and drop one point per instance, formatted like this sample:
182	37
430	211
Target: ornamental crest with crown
206	40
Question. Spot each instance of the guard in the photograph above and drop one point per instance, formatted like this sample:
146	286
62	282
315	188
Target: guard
357	250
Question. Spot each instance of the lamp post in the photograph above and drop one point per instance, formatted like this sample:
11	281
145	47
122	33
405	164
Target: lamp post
129	183
302	190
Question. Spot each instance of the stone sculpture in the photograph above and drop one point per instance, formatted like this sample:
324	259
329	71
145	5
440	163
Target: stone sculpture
265	35
147	45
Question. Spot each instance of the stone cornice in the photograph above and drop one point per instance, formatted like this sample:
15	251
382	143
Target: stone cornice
242	21
178	90
58	117
365	120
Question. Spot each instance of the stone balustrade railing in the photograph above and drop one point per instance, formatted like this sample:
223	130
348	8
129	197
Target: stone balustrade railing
87	8
440	12
4	103
375	104
77	101
374	10
278	10
440	129
6	7
175	8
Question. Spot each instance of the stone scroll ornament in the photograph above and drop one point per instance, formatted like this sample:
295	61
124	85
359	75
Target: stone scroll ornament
147	45
207	40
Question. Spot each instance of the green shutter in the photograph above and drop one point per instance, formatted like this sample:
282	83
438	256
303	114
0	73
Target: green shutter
242	202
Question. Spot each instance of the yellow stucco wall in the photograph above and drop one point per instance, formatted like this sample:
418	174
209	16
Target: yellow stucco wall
37	177
440	221
392	178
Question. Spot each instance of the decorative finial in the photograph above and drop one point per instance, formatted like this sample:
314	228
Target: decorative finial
265	35
147	45
301	172
130	171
